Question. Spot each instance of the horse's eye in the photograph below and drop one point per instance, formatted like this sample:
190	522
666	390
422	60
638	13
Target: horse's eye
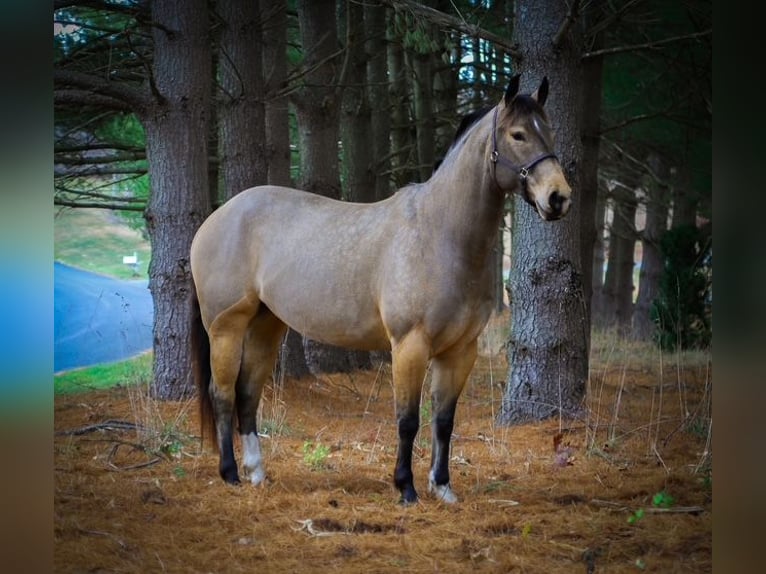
518	136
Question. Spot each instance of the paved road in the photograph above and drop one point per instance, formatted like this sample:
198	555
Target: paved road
98	319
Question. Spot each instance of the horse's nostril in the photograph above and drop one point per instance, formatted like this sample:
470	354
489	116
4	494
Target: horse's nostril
556	201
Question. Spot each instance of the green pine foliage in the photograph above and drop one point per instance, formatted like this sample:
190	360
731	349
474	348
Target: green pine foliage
683	308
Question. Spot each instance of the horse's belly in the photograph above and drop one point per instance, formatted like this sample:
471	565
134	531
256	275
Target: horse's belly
337	321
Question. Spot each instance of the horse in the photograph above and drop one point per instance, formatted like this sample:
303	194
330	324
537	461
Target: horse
410	273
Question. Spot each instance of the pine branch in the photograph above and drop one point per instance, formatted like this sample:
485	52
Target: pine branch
570	19
646	45
104	196
67	97
447	21
92	169
83	204
122	156
100	87
132	9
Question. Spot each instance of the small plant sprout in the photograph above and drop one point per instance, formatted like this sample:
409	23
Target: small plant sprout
315	456
636	516
663	500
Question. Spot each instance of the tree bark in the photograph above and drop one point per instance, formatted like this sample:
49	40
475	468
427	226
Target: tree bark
401	141
684	199
618	282
355	119
380	109
176	147
316	104
274	26
658	197
547	348
591	126
241	111
422	96
599	258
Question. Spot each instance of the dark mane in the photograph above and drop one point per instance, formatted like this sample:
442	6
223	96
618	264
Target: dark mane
468	120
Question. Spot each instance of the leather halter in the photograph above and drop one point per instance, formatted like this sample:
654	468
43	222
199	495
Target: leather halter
521	170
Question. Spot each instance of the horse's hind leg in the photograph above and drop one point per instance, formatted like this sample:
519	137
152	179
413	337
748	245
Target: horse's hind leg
450	372
226	336
259	355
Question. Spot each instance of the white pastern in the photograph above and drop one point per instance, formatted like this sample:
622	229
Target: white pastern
252	461
442	492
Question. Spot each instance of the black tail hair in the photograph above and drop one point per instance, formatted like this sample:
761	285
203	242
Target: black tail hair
200	358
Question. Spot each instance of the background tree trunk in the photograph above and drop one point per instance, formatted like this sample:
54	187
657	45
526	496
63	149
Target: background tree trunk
658	196
422	99
599	258
618	282
176	147
380	108
316	103
401	140
547	348
241	111
355	120
591	126
274	27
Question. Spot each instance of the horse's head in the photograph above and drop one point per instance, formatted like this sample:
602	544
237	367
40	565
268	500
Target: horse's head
522	152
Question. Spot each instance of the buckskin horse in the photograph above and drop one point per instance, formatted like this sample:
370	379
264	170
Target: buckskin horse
411	273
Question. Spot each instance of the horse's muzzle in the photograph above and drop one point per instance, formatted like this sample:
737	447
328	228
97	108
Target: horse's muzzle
558	205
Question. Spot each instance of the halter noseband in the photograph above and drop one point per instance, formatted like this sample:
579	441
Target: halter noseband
523	170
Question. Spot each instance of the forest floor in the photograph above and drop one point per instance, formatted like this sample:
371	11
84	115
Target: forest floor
626	489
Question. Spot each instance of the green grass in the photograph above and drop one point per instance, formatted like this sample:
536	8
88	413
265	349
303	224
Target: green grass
130	371
96	240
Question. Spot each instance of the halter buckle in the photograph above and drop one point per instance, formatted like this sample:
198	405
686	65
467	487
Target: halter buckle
493	156
523	173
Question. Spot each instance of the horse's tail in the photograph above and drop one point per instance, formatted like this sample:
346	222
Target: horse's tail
200	359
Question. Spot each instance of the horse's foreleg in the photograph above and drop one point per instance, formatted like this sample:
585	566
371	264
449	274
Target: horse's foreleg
450	372
409	360
259	356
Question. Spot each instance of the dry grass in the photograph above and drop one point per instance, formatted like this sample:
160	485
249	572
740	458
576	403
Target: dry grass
130	500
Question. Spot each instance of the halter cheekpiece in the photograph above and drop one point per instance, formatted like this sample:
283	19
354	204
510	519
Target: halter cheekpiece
523	170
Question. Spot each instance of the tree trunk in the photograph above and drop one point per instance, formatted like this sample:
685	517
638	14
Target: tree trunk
618	283
547	348
176	149
591	126
380	109
684	199
357	135
274	30
422	96
401	142
658	195
241	111
317	103
599	259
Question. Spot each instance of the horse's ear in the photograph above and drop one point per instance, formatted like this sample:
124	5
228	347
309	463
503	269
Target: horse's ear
512	89
542	92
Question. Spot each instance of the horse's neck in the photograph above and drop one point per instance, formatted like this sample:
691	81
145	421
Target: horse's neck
468	207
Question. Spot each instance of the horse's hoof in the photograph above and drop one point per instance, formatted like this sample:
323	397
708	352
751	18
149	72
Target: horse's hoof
442	492
254	476
231	477
409	497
